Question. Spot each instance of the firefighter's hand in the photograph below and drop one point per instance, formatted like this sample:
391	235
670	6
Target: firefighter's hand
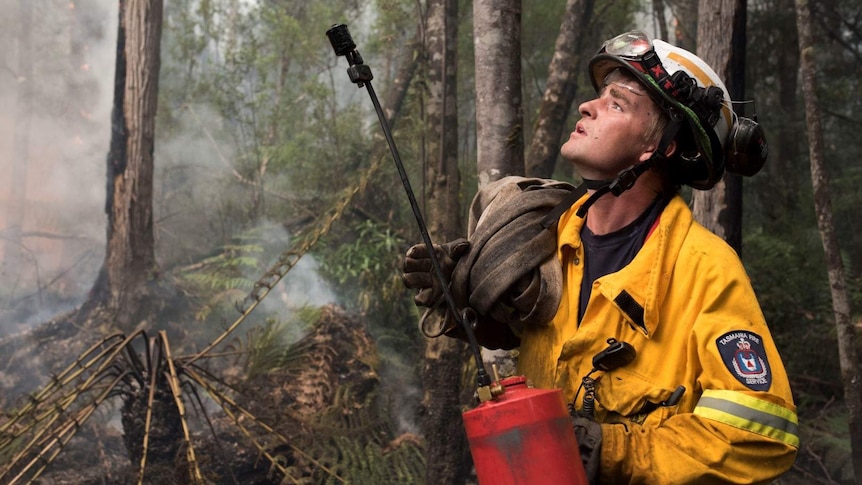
419	273
589	435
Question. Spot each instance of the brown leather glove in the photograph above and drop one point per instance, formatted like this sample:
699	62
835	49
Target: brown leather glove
419	273
589	436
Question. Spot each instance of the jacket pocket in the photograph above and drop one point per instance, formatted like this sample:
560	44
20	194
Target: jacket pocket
623	396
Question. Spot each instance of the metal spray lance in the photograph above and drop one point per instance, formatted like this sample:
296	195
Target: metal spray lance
518	435
360	74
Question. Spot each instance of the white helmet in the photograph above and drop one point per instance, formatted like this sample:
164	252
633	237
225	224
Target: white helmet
692	94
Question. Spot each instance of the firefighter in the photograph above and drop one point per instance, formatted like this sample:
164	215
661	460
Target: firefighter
705	398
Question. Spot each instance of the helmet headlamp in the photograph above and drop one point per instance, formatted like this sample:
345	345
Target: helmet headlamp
631	45
637	49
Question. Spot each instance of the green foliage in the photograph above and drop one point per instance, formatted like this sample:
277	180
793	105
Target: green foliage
790	279
355	445
366	264
248	105
371	251
825	443
217	281
389	30
266	346
783	249
350	439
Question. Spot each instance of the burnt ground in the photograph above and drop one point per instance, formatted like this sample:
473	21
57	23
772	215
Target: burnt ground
317	412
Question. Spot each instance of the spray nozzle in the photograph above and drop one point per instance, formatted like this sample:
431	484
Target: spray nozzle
340	39
343	45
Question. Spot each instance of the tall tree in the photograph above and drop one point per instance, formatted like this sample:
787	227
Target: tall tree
400	82
660	18
130	262
445	442
848	360
781	184
721	44
560	89
443	179
685	14
499	114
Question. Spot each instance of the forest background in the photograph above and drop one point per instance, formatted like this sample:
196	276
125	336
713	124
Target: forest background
259	132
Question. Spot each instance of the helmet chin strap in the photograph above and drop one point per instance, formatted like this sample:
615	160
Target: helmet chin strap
592	184
624	181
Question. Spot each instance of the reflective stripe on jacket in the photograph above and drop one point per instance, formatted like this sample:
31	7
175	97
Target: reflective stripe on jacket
686	305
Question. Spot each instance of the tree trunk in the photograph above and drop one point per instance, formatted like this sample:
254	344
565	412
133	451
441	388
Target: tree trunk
130	255
560	89
685	23
780	170
660	18
499	115
720	209
847	357
397	90
446	453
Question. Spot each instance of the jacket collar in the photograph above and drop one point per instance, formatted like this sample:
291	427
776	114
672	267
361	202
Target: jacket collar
653	264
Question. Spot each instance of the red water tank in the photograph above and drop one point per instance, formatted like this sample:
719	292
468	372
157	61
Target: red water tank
524	437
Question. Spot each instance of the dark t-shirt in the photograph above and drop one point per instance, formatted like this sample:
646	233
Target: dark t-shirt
610	253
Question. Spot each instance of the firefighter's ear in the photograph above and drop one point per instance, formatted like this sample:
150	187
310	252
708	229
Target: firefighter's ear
671	149
650	151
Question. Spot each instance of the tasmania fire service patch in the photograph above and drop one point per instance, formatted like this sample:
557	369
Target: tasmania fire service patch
742	352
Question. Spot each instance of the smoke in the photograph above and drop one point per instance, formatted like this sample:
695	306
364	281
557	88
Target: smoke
56	95
56	77
301	286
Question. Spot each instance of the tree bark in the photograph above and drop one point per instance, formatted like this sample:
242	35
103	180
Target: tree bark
660	18
848	360
397	91
784	149
499	115
685	23
441	172
560	89
446	452
720	209
130	254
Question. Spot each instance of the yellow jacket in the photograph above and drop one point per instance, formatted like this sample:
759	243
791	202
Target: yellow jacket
686	305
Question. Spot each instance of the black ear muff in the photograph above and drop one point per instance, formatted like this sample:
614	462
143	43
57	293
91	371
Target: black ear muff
747	149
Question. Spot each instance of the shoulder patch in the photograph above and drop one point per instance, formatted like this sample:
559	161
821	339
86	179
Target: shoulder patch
743	354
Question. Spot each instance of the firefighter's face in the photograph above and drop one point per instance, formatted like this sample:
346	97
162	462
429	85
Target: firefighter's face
610	135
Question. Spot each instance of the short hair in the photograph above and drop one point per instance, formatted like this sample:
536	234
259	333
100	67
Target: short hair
657	124
654	129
